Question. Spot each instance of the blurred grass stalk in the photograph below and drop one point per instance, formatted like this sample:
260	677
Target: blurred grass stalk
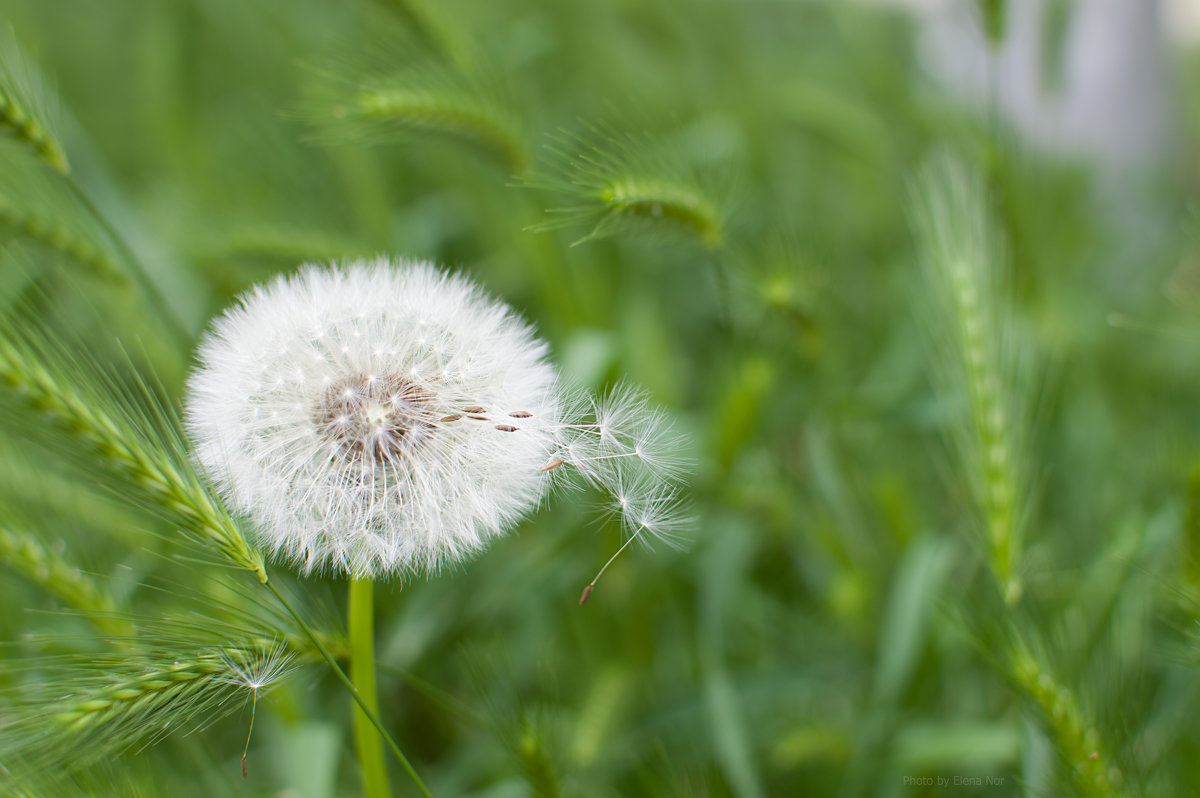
982	359
23	108
977	354
25	553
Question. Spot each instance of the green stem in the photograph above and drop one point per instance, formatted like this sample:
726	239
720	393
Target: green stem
372	716
170	319
362	672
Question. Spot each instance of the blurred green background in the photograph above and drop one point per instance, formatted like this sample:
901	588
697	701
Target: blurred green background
832	628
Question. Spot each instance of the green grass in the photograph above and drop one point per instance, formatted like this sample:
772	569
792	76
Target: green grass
939	390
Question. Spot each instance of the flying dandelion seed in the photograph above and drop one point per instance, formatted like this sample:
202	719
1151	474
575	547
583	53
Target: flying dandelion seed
257	670
385	418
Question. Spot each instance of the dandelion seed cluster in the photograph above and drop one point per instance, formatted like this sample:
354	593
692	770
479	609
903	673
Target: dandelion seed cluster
387	417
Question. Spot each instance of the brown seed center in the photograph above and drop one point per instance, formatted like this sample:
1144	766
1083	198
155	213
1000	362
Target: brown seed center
378	416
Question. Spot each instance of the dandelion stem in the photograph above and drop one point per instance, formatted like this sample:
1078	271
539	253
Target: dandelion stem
362	672
367	710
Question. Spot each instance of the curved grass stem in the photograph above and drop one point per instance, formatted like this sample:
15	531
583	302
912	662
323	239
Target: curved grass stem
158	300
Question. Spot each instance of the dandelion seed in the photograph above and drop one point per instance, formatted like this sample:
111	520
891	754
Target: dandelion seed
255	669
648	510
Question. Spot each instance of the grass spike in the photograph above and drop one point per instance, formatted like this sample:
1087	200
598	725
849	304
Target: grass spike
23	105
627	183
414	93
130	439
58	236
441	111
49	570
982	359
1092	768
96	711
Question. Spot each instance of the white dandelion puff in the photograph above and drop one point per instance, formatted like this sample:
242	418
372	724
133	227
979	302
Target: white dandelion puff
383	418
361	416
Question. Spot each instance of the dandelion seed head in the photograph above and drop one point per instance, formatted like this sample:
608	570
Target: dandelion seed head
353	415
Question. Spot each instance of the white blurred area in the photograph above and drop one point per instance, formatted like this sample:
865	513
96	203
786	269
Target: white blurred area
1103	92
1180	18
